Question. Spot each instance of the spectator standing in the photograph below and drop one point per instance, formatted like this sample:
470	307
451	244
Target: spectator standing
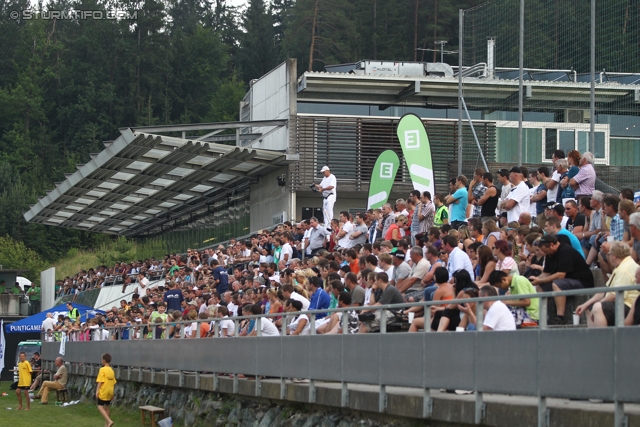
458	202
34	294
503	178
477	190
329	190
489	201
388	218
317	237
518	199
359	234
173	298
344	235
584	183
441	216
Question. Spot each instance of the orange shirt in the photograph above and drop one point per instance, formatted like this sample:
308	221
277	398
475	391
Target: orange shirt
355	267
204	329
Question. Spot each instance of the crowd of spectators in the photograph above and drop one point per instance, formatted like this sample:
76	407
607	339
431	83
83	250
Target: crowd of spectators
536	231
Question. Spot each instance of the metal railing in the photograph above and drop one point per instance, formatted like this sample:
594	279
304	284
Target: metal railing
579	363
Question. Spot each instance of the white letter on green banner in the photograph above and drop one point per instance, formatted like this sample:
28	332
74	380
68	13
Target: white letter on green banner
417	152
382	177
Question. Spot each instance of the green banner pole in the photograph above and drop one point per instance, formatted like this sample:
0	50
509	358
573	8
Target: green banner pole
417	152
382	178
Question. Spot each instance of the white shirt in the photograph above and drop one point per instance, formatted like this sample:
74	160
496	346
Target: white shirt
519	193
294	325
226	323
345	242
306	235
499	318
459	260
142	287
551	194
329	181
305	302
267	328
233	309
48	324
532	205
286	249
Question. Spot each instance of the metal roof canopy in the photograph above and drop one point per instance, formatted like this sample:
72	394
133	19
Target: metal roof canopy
142	181
443	91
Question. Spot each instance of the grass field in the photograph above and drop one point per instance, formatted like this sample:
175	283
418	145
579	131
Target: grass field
81	415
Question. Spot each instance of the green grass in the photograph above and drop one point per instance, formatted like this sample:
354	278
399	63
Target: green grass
84	414
74	262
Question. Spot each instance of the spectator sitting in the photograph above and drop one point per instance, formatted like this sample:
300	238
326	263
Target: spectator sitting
564	269
498	316
334	326
320	300
600	308
525	311
412	285
552	226
633	318
449	318
389	295
444	291
300	324
458	260
503	254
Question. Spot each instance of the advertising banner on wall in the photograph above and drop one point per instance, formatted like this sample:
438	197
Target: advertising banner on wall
382	177
417	152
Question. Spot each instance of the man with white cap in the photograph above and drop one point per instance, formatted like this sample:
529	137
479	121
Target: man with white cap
328	188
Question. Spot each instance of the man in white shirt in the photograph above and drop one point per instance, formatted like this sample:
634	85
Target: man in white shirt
328	188
518	199
344	241
552	183
498	317
227	327
286	253
289	293
143	283
386	264
48	324
458	260
412	284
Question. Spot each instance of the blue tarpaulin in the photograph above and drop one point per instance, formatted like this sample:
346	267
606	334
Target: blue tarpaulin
34	323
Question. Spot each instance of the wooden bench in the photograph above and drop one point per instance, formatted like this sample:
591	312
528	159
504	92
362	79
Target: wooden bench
62	395
152	410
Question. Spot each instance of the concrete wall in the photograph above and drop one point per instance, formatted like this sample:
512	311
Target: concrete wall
268	199
270	101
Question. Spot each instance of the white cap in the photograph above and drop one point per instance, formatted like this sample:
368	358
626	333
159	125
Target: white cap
324	168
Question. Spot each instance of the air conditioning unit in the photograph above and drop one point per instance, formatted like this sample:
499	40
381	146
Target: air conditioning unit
577	116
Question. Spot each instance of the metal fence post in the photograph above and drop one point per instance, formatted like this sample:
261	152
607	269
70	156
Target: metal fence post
427	403
480	406
258	391
543	413
620	419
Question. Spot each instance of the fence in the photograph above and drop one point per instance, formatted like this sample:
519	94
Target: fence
593	363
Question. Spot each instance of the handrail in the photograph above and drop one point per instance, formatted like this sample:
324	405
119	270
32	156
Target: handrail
618	290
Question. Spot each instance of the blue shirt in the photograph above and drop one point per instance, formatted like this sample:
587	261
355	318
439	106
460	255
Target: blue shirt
458	211
173	299
575	243
219	273
616	228
320	300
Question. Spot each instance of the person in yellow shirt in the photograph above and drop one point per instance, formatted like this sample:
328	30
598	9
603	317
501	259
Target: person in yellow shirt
24	381
104	392
600	308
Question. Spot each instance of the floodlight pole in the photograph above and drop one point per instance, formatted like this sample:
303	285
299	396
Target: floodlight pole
460	53
520	81
592	100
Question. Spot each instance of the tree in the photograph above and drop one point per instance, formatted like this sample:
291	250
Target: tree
257	54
